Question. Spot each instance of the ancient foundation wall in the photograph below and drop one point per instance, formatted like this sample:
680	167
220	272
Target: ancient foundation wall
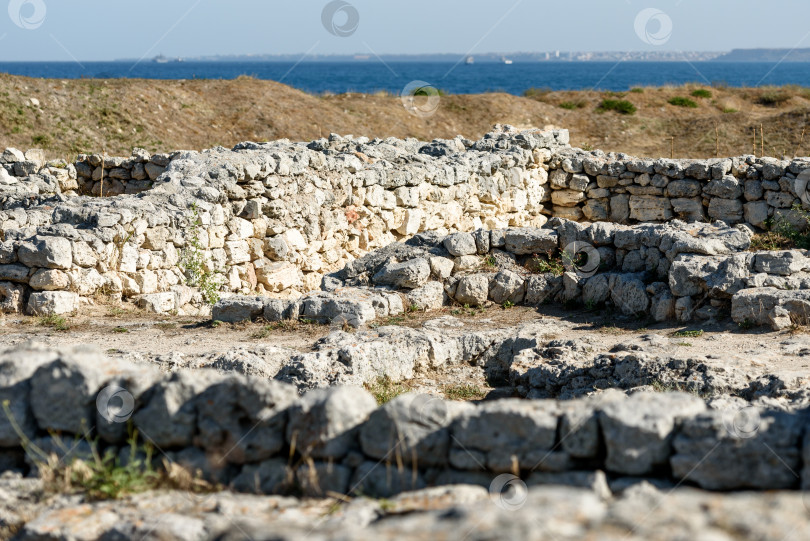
274	218
257	435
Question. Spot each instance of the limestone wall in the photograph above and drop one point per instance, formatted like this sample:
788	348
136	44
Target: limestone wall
257	435
619	188
274	218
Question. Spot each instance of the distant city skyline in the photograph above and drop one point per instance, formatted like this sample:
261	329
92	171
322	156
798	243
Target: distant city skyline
87	30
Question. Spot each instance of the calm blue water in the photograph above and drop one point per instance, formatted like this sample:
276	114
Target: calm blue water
371	76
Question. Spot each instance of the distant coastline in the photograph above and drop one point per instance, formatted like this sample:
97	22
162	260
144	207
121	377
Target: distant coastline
735	55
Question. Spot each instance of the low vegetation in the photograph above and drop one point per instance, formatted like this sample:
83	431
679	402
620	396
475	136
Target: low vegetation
384	389
55	322
542	264
103	474
697	333
162	116
680	101
785	234
196	269
464	392
623	107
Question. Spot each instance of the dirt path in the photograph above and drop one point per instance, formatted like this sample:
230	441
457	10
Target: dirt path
122	330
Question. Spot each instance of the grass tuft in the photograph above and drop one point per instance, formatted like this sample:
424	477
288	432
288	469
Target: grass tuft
57	323
463	392
680	101
384	389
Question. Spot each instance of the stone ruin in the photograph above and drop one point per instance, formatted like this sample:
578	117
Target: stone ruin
281	219
350	231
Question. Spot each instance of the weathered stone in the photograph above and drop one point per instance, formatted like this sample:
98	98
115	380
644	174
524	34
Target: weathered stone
47	252
459	244
241	419
52	303
237	308
408	274
507	286
730	211
427	297
324	422
723	450
504	435
473	290
531	241
638	431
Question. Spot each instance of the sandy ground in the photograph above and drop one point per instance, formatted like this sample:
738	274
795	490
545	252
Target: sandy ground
122	329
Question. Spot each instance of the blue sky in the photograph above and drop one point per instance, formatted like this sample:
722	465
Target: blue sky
110	29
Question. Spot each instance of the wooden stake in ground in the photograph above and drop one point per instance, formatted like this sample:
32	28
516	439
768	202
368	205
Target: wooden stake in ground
755	141
716	141
672	147
799	146
762	139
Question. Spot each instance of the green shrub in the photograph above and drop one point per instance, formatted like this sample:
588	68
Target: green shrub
572	105
701	93
680	101
637	90
623	107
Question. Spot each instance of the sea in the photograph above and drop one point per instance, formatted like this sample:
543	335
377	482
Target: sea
462	78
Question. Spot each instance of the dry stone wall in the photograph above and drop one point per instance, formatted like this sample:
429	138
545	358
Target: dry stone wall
274	218
258	435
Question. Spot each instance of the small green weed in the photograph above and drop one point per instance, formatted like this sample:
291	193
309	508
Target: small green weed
384	390
55	322
688	334
193	262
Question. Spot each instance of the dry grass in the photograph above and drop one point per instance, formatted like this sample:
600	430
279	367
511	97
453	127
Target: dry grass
88	115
